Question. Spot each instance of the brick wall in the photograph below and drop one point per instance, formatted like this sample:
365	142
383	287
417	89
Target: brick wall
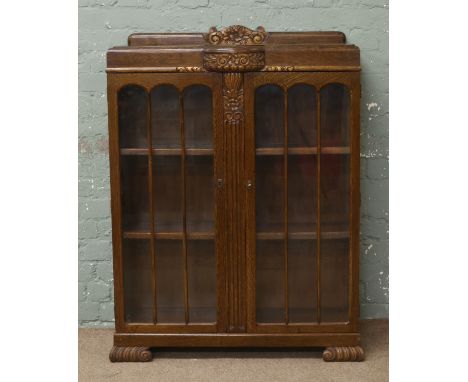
107	23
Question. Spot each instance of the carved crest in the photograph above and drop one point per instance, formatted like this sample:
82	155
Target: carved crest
236	35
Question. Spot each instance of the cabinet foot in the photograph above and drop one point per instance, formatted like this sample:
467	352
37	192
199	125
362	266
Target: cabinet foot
343	354
130	354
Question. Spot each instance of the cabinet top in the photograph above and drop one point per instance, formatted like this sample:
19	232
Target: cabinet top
234	49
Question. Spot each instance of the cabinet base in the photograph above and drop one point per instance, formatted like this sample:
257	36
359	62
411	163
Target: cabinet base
238	340
130	354
343	354
143	354
339	347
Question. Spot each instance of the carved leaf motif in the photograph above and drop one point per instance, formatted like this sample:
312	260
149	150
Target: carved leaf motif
278	69
242	62
188	69
233	97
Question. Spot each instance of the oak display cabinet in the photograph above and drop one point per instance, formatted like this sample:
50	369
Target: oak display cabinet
235	191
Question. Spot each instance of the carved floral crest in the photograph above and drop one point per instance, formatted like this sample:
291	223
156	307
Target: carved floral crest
236	35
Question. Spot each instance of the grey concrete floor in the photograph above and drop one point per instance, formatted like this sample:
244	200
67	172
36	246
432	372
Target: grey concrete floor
235	365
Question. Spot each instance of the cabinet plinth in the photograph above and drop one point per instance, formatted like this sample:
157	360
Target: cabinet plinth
234	161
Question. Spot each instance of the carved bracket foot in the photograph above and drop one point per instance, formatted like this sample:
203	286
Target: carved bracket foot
343	354
130	354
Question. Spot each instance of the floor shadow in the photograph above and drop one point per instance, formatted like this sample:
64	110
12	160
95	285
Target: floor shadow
253	353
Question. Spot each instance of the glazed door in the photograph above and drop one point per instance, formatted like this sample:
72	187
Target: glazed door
165	158
302	180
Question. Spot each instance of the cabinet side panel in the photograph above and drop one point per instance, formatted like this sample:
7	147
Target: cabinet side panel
114	156
355	198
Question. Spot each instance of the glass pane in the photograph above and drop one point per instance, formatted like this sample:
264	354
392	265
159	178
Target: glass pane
165	113
133	116
198	117
134	194
334	115
334	193
269	116
302	116
269	193
137	280
200	194
334	203
302	280
270	281
334	280
302	193
169	281
201	265
167	193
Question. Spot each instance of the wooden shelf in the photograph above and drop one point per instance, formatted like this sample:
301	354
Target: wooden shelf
168	151
169	235
260	235
302	150
335	150
174	316
302	235
334	316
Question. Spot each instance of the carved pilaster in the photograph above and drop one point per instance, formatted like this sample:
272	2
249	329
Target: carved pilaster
130	354
233	103
343	354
